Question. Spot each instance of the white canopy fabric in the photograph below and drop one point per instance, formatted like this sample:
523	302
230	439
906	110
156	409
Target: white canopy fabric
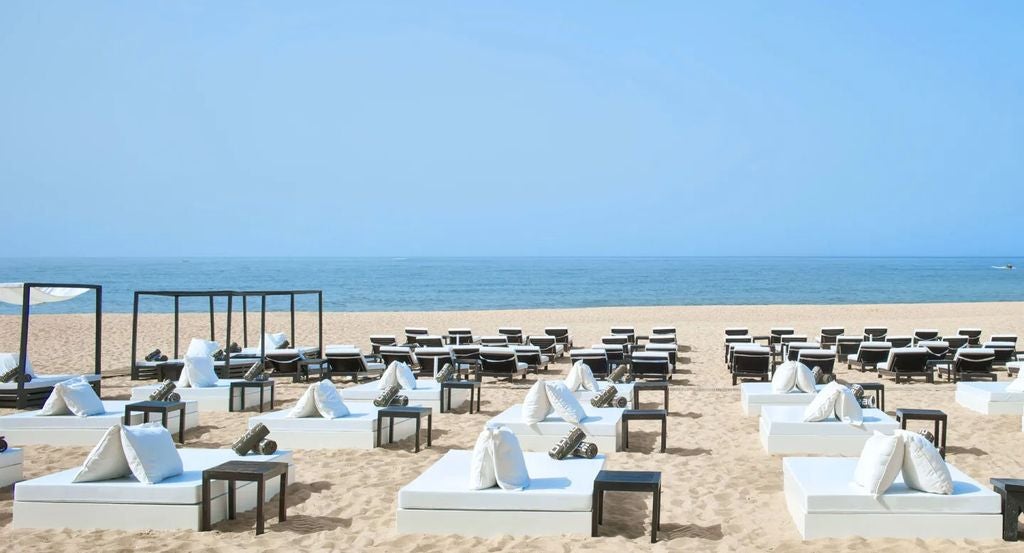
13	293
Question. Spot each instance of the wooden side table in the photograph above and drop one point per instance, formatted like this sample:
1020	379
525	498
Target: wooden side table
242	385
1011	494
938	417
649	385
644	414
626	481
878	388
392	413
474	391
247	471
164	408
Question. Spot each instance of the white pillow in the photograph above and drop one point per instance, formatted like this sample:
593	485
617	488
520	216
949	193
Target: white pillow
823	406
564	403
406	378
200	348
55	404
306	406
580	376
848	409
272	340
1017	385
10	360
879	464
198	372
481	463
328	401
924	468
784	379
150	452
805	378
106	461
509	464
80	398
536	405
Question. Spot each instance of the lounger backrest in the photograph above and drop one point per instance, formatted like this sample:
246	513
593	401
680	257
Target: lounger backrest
494	340
794	349
1004	351
615	352
873	352
498	360
908	359
955	342
974	360
615	340
775	334
397	353
845	345
466	354
875	333
829	334
378	340
348	361
937	348
547	344
560	333
739	340
973	335
900	341
530	355
460	336
431	359
925	335
514	334
429	341
737	331
670	349
751	362
651	363
662	339
627	331
823	358
1009	338
661	330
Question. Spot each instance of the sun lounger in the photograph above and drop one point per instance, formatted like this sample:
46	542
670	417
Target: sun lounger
31	428
875	333
500	362
750	361
869	355
973	335
348	361
596	359
532	356
54	501
514	334
824	359
213	398
548	345
925	335
783	432
561	336
756	395
1003	352
426	394
792	349
737	331
356	431
732	341
162	370
829	335
602	425
460	336
654	365
990	398
971	364
432	359
825	503
412	333
402	354
378	341
623	330
558	500
907	362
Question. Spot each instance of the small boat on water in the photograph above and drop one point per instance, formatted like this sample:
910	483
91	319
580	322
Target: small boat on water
1007	267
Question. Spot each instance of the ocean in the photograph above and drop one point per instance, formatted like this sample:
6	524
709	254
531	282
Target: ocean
444	284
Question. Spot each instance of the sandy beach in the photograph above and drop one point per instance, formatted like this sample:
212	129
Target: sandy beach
722	492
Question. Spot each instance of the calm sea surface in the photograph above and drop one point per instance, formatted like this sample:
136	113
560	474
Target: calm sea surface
438	284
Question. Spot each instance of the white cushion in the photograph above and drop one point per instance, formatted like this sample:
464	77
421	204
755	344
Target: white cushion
150	452
197	373
272	340
580	376
106	461
848	409
823	406
74	396
328	402
565	403
481	463
924	469
805	379
879	464
306	406
397	374
536	405
1017	385
200	348
784	379
10	360
509	464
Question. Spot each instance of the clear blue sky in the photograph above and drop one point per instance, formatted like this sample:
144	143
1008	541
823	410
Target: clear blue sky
591	128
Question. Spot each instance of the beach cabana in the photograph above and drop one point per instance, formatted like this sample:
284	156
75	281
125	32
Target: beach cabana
22	392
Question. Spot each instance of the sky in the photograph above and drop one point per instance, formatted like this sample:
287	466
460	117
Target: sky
511	128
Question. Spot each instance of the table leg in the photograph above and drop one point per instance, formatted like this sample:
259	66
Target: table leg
625	433
378	430
261	486
600	506
282	513
636	398
430	424
206	505
666	397
181	426
231	500
271	398
443	410
656	520
163	419
479	394
391	429
127	416
942	447
242	399
262	391
417	433
594	512
664	433
145	417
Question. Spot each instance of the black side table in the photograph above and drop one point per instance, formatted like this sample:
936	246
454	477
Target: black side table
474	391
626	481
1011	494
878	388
392	413
938	417
649	385
162	407
641	415
242	385
246	471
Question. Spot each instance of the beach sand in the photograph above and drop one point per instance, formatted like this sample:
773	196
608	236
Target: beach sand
721	491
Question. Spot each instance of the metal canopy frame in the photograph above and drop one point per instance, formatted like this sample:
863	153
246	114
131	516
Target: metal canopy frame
230	295
26	309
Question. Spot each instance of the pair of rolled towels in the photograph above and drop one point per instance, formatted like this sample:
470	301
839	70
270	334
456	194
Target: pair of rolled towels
573	444
166	392
255	441
389	397
14	373
445	374
256	372
607	399
155	355
621	375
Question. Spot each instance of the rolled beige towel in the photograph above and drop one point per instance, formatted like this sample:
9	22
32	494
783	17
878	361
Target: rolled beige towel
250	439
385	397
568	444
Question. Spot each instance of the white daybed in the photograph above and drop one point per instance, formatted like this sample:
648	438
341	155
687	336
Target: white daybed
558	500
53	501
783	431
38	389
603	427
756	395
990	398
426	394
31	428
825	503
213	398
10	466
356	431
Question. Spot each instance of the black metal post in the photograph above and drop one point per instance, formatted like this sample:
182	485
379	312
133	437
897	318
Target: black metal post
99	327
177	310
245	321
295	341
213	337
320	320
135	335
263	328
26	296
227	347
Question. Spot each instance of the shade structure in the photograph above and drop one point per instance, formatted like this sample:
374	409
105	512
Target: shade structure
14	293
